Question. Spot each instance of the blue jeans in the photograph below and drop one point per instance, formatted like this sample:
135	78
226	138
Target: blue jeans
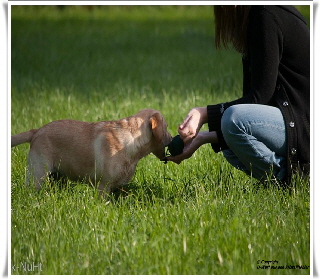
256	136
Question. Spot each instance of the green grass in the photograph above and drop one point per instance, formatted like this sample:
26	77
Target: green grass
201	217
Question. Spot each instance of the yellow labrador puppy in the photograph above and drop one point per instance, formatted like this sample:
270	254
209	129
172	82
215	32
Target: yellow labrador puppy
105	153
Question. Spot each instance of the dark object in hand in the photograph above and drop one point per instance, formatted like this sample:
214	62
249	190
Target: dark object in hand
176	146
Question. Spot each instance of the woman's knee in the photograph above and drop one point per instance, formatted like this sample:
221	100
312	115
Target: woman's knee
231	121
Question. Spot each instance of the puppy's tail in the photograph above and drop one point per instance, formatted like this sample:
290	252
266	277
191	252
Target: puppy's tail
22	137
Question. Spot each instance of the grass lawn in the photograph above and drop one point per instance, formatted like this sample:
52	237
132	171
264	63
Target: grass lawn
201	217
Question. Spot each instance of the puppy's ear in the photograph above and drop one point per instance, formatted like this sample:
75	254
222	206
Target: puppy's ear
156	122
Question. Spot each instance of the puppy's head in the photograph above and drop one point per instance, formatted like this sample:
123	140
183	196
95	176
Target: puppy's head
160	136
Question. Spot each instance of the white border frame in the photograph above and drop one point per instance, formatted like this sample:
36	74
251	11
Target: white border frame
5	112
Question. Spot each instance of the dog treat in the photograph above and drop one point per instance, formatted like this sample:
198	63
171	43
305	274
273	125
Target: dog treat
176	146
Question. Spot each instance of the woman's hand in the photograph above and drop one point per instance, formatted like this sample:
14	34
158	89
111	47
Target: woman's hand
189	148
192	145
192	123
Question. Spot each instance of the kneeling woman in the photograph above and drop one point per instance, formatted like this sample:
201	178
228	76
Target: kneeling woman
266	132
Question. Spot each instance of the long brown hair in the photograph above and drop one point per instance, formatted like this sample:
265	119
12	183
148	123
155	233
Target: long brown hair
231	27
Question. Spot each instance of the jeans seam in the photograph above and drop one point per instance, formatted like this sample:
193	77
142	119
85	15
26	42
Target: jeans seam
278	127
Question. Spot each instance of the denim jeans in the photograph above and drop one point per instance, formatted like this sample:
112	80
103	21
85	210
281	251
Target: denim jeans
256	136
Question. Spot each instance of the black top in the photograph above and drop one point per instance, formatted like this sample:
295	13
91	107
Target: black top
276	72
